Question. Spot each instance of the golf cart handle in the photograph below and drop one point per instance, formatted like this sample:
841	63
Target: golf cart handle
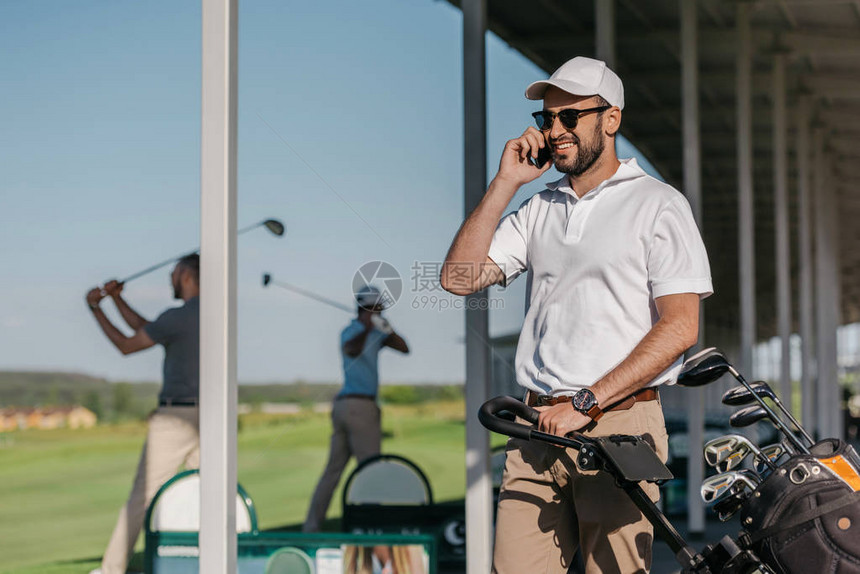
488	414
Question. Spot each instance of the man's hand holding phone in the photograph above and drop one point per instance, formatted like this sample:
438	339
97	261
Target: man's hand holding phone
543	156
525	158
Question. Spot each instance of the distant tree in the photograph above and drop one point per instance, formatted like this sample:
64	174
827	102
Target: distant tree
93	401
52	398
400	395
123	399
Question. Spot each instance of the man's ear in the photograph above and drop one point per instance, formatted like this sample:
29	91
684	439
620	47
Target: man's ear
185	275
612	121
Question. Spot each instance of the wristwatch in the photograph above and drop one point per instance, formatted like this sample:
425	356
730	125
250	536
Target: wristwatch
585	402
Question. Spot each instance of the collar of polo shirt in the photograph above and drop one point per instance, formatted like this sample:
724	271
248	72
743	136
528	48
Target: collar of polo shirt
629	169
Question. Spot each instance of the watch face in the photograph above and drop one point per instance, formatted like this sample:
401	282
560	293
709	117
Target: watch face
583	400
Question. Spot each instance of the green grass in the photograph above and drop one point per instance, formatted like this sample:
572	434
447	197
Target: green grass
61	490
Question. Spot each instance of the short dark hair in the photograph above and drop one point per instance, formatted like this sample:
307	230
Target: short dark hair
191	263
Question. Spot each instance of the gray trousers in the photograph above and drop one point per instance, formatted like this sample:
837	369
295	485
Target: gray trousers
356	432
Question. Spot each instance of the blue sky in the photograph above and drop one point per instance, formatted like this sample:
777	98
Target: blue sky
350	131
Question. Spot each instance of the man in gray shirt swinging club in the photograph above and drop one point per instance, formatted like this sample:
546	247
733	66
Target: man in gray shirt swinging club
173	438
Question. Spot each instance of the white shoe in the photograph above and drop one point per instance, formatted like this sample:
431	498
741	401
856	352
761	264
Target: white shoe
96	571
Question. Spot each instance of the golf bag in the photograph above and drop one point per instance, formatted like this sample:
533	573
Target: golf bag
805	516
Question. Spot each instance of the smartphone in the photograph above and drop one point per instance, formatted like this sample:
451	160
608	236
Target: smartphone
544	155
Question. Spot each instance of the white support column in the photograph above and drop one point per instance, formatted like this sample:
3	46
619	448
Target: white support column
218	288
806	320
604	15
693	190
746	230
781	222
826	300
479	509
837	422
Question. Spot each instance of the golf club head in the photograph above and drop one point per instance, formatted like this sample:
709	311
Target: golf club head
266	279
726	453
773	452
740	395
752	478
716	487
727	506
747	416
275	226
702	368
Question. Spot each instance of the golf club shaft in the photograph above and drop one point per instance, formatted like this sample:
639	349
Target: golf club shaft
788	447
757	452
738	396
791	419
780	450
148	270
313	296
775	419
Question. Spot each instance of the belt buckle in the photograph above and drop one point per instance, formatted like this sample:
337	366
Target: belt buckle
534	399
531	399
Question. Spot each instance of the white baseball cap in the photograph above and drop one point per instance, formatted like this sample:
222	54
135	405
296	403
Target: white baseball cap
582	76
370	296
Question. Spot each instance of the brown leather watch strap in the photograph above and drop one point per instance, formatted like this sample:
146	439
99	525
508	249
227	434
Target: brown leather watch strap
647	394
595	413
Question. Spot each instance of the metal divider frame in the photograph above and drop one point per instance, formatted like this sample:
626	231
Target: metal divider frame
152	538
373	459
311	542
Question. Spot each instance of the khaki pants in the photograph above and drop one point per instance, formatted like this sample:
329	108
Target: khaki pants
356	432
548	507
173	438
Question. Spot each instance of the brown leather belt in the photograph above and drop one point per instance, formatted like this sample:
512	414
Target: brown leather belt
648	394
355	396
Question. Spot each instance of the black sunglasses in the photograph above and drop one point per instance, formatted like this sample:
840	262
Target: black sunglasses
568	117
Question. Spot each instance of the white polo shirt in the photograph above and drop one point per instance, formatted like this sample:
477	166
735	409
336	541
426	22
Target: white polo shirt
595	266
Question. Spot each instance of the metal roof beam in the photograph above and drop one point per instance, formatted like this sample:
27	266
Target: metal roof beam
810	42
819	85
673	46
821	42
563	13
841	118
844	146
846	170
832	86
721	139
842	121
